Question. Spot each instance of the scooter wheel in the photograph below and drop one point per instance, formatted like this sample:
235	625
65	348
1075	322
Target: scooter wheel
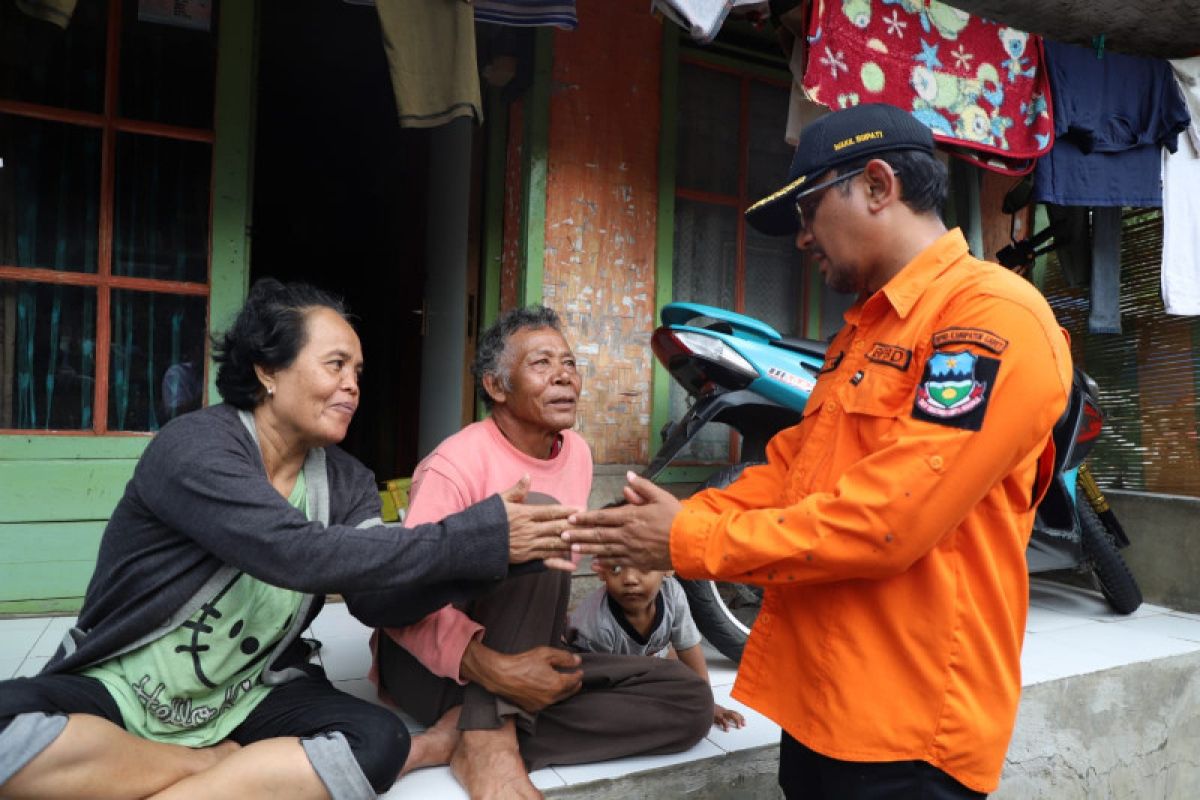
724	612
1116	582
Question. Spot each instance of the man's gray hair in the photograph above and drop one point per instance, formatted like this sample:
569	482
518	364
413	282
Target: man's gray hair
490	354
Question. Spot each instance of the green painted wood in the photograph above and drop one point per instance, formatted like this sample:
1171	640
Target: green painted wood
232	159
50	491
493	207
60	606
41	448
536	149
495	158
33	542
45	579
664	254
814	287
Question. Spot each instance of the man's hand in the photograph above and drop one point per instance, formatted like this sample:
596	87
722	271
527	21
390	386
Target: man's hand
535	531
634	535
531	680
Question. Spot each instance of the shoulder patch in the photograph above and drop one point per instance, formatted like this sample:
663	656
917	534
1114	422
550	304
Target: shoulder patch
892	355
976	336
955	389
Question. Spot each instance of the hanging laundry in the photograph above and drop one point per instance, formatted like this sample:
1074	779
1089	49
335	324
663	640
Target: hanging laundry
57	12
1187	77
702	19
430	47
801	110
977	85
1112	115
558	13
1181	203
1105	316
789	18
1073	236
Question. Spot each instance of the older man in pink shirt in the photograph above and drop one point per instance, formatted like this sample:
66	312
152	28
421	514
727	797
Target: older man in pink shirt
493	678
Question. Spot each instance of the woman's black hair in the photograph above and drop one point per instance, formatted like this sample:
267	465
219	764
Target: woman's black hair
269	331
493	343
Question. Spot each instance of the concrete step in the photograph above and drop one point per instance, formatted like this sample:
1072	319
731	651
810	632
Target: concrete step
1110	709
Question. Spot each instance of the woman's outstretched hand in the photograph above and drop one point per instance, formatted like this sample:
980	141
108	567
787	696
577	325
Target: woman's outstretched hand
535	530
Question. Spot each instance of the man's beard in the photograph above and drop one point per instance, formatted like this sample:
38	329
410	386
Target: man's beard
840	279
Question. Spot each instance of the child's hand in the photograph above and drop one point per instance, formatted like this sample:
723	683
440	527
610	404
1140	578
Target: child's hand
724	717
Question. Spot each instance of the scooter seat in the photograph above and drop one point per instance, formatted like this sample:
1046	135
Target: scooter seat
811	347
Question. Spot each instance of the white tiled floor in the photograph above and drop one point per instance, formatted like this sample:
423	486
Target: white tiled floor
1070	631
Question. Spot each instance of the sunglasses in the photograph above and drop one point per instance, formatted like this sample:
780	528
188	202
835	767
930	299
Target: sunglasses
808	200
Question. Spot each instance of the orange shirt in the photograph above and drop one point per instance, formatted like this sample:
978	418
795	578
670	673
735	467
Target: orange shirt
889	527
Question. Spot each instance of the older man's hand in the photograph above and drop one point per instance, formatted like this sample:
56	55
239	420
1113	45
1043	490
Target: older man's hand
535	531
635	535
532	680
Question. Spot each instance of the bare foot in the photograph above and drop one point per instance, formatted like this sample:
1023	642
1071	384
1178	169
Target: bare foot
435	746
489	766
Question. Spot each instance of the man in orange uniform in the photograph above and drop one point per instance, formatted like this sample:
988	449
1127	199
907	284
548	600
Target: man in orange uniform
888	527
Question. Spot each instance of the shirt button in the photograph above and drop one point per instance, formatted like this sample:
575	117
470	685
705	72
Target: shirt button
858	346
936	462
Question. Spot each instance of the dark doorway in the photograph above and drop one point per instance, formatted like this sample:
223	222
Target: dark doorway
339	201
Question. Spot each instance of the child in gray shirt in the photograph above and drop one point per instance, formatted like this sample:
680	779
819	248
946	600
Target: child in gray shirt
640	612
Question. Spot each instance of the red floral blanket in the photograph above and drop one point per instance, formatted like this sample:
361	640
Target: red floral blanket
978	85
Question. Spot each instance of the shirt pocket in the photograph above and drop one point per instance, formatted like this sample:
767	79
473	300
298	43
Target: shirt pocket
875	402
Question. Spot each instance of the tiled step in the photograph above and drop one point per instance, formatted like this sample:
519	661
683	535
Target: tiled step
1109	709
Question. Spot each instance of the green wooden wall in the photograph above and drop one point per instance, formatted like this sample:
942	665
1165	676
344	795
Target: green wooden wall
56	492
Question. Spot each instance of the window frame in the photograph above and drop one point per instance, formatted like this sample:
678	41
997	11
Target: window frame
111	124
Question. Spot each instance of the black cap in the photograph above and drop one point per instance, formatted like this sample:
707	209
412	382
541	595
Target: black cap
834	139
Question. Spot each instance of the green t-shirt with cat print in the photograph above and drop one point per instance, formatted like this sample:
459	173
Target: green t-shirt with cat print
195	684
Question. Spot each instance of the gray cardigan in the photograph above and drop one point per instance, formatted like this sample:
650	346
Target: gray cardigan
199	509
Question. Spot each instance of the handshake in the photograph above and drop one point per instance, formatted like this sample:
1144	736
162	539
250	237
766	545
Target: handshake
635	534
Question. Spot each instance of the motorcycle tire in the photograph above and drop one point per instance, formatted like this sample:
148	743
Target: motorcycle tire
724	612
1116	582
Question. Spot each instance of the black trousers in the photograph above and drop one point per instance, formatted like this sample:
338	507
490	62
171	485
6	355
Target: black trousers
304	708
807	775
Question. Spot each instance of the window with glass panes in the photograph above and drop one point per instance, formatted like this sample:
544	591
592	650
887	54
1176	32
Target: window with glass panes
730	151
106	135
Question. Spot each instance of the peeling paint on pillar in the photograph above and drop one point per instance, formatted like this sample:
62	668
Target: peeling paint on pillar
601	215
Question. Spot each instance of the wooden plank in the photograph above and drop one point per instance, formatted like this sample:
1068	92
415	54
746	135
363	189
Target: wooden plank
232	174
537	126
33	542
42	448
44	580
48	491
48	605
493	204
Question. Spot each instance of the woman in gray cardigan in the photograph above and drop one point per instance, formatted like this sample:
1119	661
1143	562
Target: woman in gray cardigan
186	673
